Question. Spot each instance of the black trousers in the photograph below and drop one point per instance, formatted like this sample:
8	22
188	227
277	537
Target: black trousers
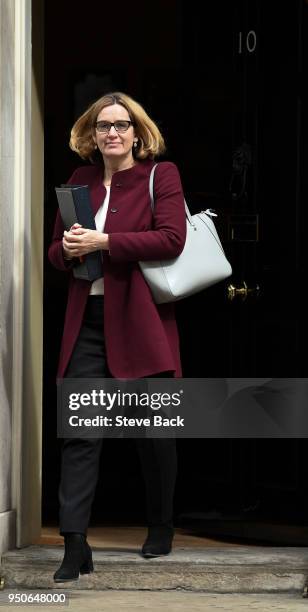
80	457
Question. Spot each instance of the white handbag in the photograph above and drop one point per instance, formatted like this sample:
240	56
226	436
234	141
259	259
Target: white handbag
201	264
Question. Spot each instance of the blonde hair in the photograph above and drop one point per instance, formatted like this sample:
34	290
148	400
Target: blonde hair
150	140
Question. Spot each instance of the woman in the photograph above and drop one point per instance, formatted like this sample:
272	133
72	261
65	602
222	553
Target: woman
112	326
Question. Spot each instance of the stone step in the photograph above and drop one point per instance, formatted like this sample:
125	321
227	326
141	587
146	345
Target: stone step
216	569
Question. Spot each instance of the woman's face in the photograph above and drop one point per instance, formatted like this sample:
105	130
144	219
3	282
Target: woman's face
115	144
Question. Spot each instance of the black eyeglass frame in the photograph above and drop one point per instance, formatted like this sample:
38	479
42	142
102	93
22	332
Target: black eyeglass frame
113	124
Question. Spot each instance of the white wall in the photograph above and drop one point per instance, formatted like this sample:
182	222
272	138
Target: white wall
7	47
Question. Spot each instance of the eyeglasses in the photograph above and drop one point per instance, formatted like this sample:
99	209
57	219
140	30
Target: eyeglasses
119	126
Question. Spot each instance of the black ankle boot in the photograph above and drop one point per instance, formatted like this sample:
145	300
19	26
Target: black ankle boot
158	541
77	558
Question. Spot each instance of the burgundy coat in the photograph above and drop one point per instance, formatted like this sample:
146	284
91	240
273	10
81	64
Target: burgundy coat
141	337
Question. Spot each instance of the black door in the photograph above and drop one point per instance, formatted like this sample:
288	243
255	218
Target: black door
246	63
227	89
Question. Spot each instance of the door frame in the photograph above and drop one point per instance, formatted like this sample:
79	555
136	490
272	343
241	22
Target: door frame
27	282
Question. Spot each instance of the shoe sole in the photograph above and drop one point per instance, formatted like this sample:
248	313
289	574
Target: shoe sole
72	579
151	555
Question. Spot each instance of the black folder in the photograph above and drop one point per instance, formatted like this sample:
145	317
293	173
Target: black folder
75	207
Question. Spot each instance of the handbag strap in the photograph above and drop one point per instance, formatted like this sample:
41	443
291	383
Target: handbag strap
151	190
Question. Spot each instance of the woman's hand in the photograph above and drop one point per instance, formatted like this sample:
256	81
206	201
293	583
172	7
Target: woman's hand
79	241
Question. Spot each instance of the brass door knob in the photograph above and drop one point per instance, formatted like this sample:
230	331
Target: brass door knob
242	291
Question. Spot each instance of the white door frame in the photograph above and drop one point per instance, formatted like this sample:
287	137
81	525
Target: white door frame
27	279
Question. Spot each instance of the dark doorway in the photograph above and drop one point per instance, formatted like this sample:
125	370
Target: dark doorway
227	91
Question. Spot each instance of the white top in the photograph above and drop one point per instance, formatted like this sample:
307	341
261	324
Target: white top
97	287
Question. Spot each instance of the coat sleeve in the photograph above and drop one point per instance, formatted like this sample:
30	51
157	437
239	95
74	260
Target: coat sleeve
167	239
55	251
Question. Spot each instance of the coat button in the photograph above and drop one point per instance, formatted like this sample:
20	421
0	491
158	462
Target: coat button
114	209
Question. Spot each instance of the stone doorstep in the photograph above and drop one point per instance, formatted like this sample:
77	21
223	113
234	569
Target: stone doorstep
216	570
